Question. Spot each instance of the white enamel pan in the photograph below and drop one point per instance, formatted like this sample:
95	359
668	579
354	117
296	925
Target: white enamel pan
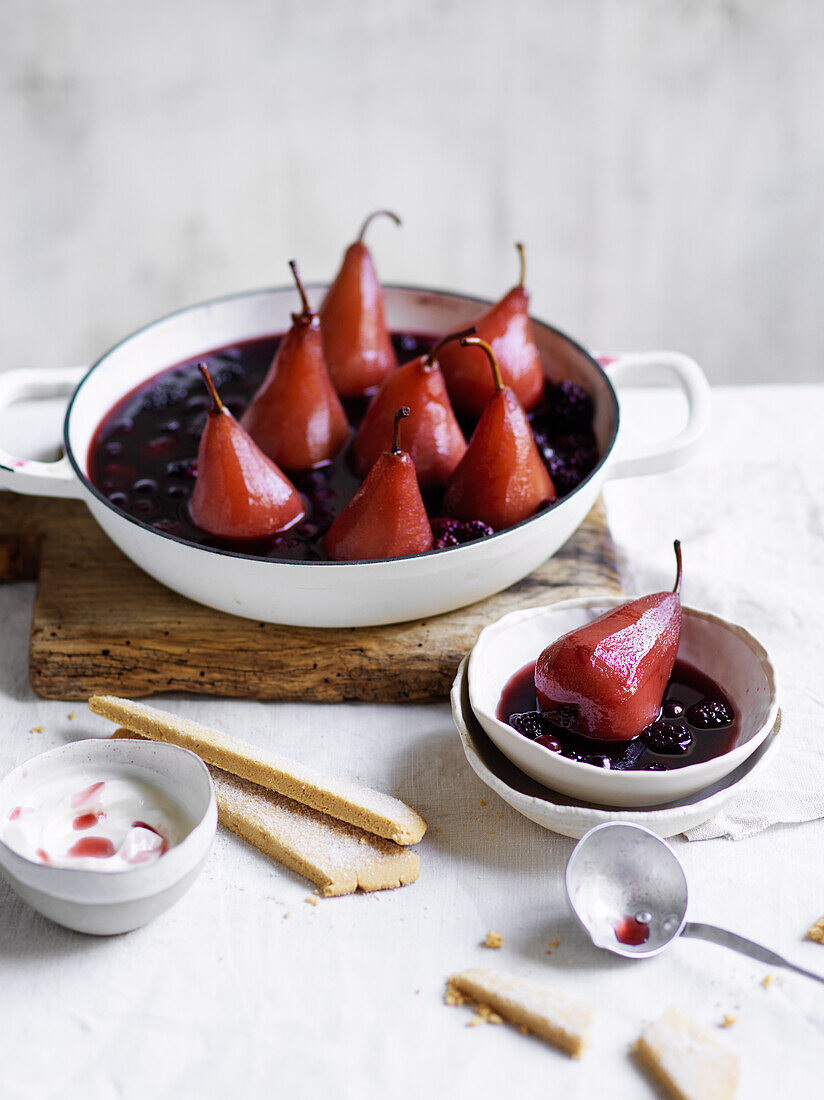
341	594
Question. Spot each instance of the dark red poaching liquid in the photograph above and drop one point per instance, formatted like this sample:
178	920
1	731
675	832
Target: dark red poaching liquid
143	455
687	686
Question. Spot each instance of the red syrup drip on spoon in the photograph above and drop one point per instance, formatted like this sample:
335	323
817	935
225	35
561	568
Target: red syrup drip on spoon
87	821
97	847
631	931
84	796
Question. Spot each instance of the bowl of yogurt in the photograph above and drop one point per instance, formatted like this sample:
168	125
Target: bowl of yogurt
102	836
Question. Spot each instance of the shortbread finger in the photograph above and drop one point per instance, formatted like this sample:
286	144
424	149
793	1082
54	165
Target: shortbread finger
337	857
363	807
556	1018
690	1063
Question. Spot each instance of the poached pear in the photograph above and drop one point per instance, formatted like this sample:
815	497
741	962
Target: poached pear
507	328
296	417
239	492
356	343
610	675
432	435
386	518
501	478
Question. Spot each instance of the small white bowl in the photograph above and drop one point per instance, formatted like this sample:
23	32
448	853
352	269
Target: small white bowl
571	817
729	653
104	904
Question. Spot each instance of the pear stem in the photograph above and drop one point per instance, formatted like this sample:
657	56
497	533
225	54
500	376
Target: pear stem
522	258
377	214
217	404
307	309
400	415
677	588
429	359
477	342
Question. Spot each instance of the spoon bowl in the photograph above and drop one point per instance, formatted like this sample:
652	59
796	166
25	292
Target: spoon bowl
621	877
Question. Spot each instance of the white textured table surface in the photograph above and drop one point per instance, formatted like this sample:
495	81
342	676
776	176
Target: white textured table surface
244	989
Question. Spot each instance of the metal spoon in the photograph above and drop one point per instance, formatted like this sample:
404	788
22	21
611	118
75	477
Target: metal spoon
621	877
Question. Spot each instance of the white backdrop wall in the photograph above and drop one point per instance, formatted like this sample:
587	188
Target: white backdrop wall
663	160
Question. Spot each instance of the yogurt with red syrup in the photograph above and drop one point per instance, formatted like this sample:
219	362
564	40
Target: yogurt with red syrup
95	820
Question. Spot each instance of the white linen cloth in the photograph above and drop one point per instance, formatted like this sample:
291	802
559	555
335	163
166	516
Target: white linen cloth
749	511
244	990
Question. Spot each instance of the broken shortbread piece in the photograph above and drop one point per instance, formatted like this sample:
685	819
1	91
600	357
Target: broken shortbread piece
689	1062
556	1018
493	939
359	806
816	932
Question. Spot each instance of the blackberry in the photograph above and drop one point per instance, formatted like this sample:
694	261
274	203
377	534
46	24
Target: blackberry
549	742
472	529
569	468
444	541
669	738
529	723
709	714
447	531
570	407
164	395
672	710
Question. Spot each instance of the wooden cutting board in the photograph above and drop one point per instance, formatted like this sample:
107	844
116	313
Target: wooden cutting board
102	625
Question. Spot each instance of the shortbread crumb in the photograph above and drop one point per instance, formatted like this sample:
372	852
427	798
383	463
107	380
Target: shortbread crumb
688	1062
73	715
311	900
37	729
816	932
558	1019
493	939
768	981
485	1015
453	995
728	1020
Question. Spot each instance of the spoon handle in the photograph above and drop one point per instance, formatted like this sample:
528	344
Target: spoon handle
746	947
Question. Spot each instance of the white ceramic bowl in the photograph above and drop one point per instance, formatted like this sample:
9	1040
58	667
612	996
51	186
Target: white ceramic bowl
104	904
336	594
572	817
736	660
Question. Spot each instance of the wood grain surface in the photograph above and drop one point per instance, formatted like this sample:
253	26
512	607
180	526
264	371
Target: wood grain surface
100	625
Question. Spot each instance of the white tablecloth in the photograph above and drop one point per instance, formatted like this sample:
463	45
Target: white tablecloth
244	989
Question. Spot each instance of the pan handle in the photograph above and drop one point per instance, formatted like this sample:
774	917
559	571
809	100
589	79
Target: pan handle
634	455
24	475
